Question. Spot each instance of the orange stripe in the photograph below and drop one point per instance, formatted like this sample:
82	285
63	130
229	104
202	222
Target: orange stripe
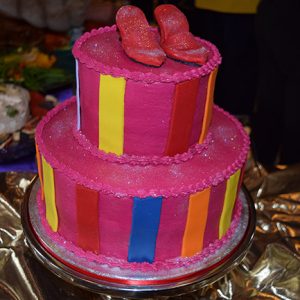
208	105
39	165
196	223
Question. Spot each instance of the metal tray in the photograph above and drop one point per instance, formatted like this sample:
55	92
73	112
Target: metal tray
127	283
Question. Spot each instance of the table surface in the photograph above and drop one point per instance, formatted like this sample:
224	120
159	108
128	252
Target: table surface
270	270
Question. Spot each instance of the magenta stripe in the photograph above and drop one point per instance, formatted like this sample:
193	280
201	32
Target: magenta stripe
199	112
147	116
216	200
89	101
171	228
239	188
66	206
115	216
241	178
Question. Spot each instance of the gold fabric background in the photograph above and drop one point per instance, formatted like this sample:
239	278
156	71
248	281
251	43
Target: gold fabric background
270	270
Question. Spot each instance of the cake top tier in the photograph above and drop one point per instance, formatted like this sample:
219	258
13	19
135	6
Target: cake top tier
102	51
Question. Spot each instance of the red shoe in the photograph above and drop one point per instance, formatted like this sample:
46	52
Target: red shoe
138	40
176	39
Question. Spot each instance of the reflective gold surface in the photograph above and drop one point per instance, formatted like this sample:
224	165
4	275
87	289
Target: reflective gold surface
271	269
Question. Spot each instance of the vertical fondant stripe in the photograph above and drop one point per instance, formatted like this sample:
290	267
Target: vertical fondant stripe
89	101
40	171
241	178
184	105
208	104
239	187
145	224
229	201
216	201
199	111
49	190
111	114
196	223
173	215
87	218
77	95
65	198
151	105
115	217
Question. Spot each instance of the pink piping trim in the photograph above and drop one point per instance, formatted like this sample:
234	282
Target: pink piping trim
149	77
98	186
177	262
142	160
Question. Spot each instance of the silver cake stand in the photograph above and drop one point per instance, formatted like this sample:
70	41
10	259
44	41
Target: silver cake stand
103	279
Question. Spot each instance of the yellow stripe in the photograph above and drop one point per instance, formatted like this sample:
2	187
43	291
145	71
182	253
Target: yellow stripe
230	196
208	104
49	190
196	223
111	114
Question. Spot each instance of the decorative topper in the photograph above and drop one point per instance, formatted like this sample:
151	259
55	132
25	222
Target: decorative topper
176	39
140	42
138	39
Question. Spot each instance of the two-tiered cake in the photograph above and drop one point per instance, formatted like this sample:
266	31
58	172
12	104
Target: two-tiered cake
140	168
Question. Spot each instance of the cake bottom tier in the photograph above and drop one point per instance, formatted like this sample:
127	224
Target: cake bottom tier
47	242
139	214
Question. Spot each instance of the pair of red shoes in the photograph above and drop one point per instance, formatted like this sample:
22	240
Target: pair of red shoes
140	42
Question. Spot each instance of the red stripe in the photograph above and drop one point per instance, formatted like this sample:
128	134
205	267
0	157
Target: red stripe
182	117
87	218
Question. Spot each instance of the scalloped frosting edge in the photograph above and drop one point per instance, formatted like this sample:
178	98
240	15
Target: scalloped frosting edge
137	160
107	189
148	77
168	264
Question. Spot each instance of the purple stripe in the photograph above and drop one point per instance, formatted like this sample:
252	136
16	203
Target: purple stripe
89	96
147	112
216	200
199	112
115	215
171	228
66	206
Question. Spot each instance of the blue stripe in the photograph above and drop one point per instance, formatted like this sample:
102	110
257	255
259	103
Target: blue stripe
144	229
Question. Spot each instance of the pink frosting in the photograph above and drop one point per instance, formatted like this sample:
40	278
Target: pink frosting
89	101
225	155
171	227
114	215
157	265
141	160
216	201
101	50
65	199
199	111
147	117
